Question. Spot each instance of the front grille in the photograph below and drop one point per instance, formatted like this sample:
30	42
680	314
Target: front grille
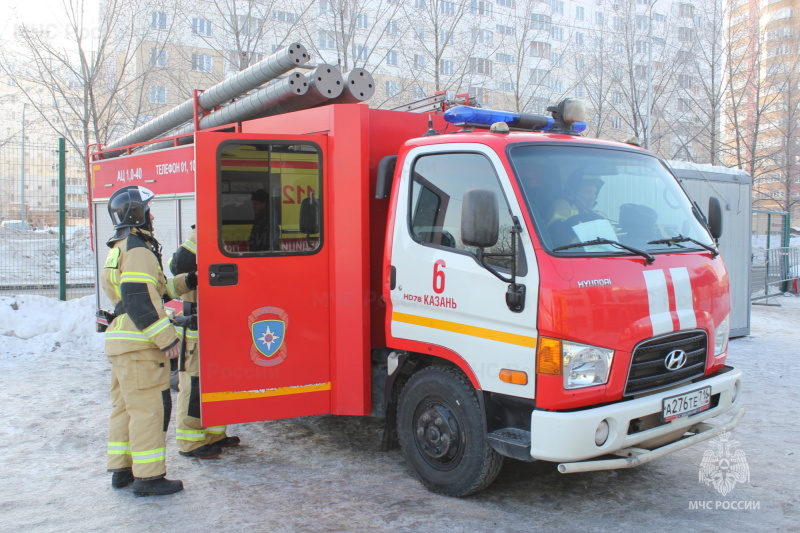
648	368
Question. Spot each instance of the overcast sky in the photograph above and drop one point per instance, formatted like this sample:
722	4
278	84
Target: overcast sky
45	14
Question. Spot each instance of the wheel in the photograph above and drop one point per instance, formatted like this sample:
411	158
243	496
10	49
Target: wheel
442	433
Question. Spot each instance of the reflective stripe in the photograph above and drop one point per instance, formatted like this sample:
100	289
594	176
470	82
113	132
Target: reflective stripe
119	448
150	456
658	301
137	277
216	430
190	334
171	288
114	279
157	327
684	299
189	245
190	434
127	336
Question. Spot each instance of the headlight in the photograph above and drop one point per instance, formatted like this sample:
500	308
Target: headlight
721	335
584	365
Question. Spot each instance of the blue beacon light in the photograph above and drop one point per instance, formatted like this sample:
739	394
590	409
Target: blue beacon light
473	115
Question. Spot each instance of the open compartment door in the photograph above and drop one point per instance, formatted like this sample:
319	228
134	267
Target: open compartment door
263	281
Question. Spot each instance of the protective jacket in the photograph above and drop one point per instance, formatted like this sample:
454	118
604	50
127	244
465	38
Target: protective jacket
135	283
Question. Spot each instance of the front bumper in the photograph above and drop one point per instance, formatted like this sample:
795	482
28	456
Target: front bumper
566	437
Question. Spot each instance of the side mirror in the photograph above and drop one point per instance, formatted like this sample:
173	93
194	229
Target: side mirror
715	217
383	184
480	218
309	216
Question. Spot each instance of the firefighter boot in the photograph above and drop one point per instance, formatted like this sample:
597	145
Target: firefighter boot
207	451
227	442
156	487
122	478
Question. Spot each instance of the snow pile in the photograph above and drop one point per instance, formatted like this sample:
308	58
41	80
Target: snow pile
35	325
29	258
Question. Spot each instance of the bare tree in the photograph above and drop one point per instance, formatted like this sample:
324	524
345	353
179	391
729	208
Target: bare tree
77	82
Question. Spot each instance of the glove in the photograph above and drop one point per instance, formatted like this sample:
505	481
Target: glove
191	280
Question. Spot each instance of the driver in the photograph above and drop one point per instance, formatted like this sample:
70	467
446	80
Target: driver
581	199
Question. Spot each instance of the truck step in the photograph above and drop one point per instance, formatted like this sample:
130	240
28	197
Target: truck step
512	442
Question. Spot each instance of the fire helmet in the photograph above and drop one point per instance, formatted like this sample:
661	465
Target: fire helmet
128	206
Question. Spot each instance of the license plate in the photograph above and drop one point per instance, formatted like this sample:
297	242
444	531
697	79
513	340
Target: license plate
686	404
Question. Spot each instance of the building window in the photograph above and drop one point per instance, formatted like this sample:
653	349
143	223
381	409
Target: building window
478	65
598	18
419	61
391	58
617	97
447	8
557	86
539	76
658	17
579	91
616	23
507	3
202	63
327	40
391	89
419	4
540	22
362	21
579	13
419	92
505	30
158	57
360	52
685	81
392	28
641	47
480	7
445	37
579	64
540	49
558	7
616	123
555	59
484	37
201	27
419	33
686	10
481	94
284	16
557	33
158	94
506	86
579	39
685	34
504	58
642	22
446	67
158	20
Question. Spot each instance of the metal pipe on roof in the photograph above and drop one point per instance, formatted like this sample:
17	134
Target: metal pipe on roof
265	70
359	86
325	84
293	86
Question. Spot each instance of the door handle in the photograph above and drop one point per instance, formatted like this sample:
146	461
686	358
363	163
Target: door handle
223	275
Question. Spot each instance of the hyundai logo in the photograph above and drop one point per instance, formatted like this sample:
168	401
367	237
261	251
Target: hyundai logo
675	360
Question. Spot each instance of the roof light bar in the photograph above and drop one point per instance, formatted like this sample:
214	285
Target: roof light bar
567	117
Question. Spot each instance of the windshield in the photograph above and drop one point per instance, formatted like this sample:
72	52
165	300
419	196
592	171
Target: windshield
577	194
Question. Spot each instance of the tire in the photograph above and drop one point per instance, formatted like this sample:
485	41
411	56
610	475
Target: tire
452	457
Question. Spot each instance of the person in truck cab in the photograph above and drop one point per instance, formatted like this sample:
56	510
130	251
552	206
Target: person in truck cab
259	240
577	207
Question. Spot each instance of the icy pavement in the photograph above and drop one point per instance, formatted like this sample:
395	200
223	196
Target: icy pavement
325	473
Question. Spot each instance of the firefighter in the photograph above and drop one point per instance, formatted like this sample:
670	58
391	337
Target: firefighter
139	341
193	439
259	240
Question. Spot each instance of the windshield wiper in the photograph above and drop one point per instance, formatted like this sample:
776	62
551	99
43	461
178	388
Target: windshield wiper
680	238
648	258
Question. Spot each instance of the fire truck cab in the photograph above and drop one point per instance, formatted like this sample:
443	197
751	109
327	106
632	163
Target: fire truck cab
529	294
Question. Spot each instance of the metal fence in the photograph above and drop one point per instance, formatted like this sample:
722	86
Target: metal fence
776	259
41	190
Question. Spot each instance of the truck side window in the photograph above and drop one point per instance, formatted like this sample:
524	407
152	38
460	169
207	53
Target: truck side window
270	199
437	187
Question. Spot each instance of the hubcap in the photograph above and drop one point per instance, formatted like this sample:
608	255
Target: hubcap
437	434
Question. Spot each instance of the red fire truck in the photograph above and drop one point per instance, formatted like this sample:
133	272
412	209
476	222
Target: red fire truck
448	276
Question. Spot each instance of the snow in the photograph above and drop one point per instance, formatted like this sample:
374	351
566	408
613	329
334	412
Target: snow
325	473
30	258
